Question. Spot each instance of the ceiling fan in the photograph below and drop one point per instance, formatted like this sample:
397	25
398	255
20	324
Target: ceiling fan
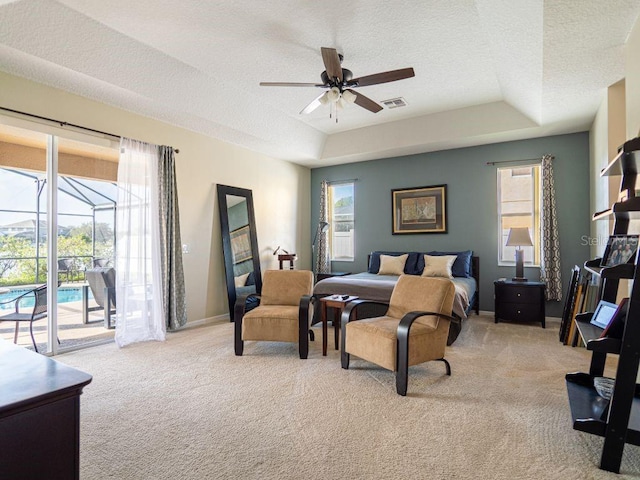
339	82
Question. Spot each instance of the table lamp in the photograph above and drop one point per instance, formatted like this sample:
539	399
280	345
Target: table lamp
519	237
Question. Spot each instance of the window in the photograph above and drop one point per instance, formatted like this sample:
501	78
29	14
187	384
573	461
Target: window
341	221
519	194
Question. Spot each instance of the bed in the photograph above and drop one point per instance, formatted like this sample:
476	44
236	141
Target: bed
372	285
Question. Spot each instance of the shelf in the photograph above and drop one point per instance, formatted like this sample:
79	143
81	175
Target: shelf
626	161
629	209
591	337
589	410
625	270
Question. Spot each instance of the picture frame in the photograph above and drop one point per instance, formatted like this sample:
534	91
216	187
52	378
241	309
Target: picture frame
419	210
241	244
605	311
620	249
615	326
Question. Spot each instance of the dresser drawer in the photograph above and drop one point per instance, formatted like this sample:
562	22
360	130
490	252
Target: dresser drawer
517	294
526	312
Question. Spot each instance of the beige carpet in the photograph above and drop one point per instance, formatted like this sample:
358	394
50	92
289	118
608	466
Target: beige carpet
189	409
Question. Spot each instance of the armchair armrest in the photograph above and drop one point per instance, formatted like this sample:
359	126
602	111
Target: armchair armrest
241	303
409	318
303	325
403	347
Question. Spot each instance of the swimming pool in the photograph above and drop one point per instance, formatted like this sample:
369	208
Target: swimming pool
65	295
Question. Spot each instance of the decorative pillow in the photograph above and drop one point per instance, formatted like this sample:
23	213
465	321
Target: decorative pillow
240	280
390	265
438	266
409	266
462	265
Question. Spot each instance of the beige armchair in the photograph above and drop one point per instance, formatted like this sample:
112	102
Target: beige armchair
414	329
283	312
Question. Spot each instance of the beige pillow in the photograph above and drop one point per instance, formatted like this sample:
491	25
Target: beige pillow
240	280
438	266
391	265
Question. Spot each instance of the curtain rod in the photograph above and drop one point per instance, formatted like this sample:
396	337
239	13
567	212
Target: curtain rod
66	124
539	159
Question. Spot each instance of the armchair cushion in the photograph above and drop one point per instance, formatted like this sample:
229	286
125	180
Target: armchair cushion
285	287
411	295
276	323
376	340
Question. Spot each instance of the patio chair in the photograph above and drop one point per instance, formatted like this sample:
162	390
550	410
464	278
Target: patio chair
65	267
100	262
39	311
102	281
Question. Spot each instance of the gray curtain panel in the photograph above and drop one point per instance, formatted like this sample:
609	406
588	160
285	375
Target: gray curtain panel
550	267
323	265
174	297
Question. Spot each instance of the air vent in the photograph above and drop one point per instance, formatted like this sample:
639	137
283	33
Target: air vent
395	102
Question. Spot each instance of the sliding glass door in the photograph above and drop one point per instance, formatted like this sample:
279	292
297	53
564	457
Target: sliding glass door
64	190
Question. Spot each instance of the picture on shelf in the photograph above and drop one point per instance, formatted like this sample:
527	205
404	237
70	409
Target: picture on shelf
603	314
620	249
615	327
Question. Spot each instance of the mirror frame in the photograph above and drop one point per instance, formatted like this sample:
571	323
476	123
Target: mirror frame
223	191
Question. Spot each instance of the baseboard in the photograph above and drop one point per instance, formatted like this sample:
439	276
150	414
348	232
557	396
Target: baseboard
208	321
492	314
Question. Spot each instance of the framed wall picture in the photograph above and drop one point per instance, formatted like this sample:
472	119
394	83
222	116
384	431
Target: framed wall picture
240	244
620	249
419	210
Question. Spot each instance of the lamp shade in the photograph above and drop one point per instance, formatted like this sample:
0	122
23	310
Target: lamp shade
519	237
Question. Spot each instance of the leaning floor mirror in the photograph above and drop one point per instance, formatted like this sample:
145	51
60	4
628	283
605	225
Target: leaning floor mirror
239	244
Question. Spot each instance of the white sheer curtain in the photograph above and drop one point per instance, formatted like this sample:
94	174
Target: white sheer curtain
140	315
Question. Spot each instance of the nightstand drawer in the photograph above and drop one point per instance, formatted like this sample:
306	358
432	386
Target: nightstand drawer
526	312
516	294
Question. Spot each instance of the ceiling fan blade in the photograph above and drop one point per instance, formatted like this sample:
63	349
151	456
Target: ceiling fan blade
332	63
313	105
365	102
290	84
384	77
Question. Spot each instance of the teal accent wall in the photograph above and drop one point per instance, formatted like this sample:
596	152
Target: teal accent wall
472	204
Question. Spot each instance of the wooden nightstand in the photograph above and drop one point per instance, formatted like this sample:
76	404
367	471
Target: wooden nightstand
519	301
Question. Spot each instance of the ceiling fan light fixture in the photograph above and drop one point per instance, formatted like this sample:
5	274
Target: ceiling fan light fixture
348	96
324	98
333	94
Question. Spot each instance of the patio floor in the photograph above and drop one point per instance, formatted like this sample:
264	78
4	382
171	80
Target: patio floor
71	331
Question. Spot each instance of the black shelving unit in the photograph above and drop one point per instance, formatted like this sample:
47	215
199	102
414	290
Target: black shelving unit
617	419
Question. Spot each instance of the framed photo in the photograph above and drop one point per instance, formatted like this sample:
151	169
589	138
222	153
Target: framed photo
240	244
620	249
419	210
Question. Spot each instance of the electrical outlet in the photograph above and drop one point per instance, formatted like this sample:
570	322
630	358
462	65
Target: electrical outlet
185	248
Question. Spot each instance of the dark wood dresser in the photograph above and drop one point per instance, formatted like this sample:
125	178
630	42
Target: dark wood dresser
519	301
39	415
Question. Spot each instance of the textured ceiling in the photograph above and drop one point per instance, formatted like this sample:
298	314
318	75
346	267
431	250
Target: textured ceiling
485	70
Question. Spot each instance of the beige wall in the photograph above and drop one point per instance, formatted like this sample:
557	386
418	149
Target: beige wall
617	120
280	189
632	74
